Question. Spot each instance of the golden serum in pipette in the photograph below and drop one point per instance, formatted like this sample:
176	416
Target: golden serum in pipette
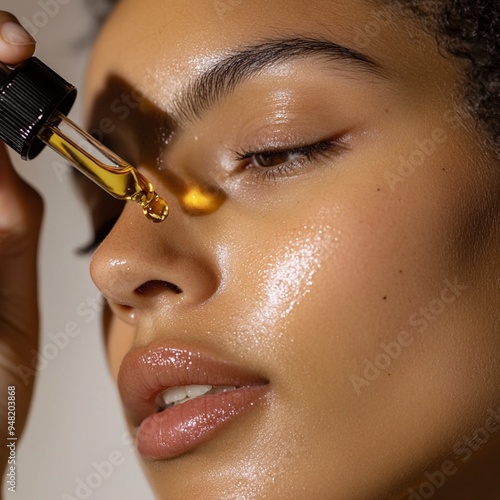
106	169
34	102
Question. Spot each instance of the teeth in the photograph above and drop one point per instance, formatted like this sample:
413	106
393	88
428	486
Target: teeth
178	395
193	391
174	395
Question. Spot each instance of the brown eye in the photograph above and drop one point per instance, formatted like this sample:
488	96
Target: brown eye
273	159
282	162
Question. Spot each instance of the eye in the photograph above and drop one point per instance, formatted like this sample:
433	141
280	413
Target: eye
271	163
274	159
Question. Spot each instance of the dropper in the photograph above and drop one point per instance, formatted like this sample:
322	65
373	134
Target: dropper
34	102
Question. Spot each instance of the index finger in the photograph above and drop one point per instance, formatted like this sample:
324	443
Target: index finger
16	44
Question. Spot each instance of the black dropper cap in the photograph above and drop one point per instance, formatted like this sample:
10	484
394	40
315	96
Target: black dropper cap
29	95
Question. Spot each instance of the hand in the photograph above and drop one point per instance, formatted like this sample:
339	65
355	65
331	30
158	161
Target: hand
20	219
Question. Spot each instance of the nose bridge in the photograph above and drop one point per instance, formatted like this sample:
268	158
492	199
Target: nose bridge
140	262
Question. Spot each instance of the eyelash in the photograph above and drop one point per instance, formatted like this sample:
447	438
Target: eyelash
306	154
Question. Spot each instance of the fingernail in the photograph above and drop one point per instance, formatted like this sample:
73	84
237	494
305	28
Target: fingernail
15	34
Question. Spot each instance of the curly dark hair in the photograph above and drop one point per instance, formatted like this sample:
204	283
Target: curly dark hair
469	30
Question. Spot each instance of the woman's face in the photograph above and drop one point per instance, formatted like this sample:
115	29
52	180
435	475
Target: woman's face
342	287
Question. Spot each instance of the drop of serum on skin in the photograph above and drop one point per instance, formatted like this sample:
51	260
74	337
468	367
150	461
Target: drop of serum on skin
197	201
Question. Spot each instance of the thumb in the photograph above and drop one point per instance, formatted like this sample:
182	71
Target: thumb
16	44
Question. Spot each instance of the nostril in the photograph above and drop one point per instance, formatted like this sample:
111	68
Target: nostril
155	287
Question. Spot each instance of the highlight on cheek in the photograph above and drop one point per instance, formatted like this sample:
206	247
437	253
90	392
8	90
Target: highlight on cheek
289	275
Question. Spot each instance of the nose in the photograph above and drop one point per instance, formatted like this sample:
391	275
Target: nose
142	266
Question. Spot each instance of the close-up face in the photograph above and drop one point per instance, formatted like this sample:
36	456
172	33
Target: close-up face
328	272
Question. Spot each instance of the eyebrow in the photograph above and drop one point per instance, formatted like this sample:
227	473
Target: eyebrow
239	66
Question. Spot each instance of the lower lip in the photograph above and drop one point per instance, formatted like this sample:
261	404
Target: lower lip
185	426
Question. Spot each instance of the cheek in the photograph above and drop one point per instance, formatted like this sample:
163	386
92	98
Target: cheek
403	260
371	309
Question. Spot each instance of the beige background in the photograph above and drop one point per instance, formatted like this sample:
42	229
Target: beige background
75	424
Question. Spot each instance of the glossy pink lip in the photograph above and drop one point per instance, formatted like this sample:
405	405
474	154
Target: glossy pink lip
147	372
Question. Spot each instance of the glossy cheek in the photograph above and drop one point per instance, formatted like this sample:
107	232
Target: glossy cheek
289	273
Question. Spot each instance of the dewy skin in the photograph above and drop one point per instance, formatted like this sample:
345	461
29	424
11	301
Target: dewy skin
34	102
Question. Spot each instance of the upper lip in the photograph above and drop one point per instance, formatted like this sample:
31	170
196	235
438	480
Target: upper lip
146	372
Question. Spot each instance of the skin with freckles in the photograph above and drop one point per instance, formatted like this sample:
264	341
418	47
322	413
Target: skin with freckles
353	260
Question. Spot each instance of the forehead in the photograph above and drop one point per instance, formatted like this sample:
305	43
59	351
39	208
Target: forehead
150	42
